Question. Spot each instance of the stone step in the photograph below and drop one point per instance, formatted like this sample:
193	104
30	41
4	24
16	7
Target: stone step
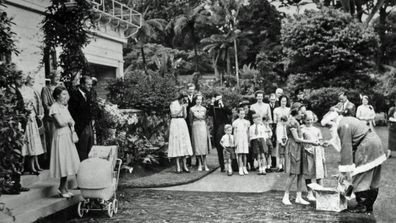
39	190
30	212
28	180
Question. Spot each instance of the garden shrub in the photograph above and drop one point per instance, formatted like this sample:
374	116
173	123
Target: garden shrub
12	112
149	93
326	48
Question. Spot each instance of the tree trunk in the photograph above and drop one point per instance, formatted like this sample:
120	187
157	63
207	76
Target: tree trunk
195	47
144	59
236	62
228	62
215	59
379	4
381	34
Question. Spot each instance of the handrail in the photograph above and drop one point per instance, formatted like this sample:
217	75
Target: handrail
120	12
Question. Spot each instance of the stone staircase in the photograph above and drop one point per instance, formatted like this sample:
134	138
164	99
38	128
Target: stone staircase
41	201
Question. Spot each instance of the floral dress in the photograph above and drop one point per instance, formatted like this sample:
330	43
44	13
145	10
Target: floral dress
33	145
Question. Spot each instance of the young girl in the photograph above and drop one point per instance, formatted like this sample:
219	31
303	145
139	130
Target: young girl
257	142
313	156
293	155
241	131
227	142
281	139
268	142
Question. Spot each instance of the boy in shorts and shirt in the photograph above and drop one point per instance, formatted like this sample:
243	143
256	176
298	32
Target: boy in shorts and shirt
228	143
257	142
268	141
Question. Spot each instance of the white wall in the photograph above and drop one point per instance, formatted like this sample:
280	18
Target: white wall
105	47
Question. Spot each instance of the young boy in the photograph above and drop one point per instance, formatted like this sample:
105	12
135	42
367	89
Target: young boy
257	142
228	143
268	141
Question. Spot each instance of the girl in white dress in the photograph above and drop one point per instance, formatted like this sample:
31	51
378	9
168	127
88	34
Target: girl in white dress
281	111
314	163
241	136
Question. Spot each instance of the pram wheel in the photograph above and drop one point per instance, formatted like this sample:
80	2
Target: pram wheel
110	210
115	206
80	210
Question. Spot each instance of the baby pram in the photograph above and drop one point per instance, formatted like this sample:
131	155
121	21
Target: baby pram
97	179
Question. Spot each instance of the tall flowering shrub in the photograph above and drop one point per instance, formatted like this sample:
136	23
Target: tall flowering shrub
12	112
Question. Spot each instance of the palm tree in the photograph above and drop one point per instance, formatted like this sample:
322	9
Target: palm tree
148	31
186	24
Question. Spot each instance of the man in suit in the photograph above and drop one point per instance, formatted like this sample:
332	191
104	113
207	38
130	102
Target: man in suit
344	106
273	103
191	101
300	97
80	107
221	116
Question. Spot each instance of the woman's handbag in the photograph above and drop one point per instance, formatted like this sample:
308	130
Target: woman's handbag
74	136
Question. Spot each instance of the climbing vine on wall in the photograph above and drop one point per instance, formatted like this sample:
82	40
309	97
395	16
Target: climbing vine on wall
68	27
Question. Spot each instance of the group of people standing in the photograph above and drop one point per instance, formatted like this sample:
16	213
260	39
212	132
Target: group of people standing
59	128
280	136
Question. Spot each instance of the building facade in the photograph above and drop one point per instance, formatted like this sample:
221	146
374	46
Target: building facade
104	52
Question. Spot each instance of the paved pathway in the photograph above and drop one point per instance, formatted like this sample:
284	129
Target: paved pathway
220	182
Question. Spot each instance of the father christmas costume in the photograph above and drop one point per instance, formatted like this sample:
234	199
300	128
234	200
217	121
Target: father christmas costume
361	155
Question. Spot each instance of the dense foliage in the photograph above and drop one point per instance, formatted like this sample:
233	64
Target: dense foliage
150	94
12	113
68	28
328	48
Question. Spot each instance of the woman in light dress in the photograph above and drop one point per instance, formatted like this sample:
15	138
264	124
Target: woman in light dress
200	134
365	112
33	146
179	146
64	157
279	112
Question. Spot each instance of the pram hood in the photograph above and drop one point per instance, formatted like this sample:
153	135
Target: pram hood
95	173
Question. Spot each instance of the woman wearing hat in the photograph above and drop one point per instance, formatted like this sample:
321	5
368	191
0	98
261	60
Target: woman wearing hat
361	156
179	146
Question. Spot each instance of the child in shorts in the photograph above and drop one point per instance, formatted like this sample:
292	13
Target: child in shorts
268	141
257	142
228	143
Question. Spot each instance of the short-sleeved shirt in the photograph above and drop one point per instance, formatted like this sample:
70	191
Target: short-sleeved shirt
227	140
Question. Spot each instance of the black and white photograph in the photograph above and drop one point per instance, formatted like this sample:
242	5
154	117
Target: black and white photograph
197	111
